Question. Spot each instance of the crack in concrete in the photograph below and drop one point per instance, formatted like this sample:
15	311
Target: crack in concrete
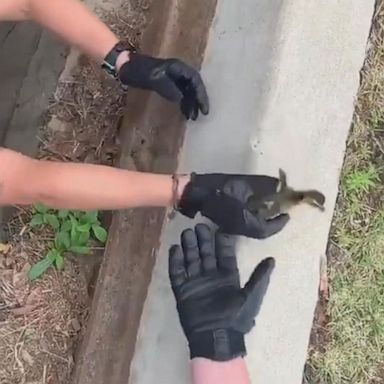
7	34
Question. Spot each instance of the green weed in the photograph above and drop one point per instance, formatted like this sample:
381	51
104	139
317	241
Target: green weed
73	231
360	181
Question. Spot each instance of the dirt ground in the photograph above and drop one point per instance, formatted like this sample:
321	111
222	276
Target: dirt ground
41	323
347	335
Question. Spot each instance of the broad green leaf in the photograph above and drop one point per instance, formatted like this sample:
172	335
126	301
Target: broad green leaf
90	217
100	233
66	226
39	268
83	238
59	262
77	214
74	224
63	213
52	220
74	237
84	227
37	219
62	240
41	208
82	250
52	254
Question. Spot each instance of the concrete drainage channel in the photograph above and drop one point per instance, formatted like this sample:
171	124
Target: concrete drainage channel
282	77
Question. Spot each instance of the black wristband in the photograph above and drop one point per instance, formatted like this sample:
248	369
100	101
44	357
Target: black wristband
218	345
109	62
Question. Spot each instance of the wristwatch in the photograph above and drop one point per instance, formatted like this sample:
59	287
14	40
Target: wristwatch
109	62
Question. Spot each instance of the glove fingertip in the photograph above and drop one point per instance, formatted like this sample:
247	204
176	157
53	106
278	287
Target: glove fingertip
173	249
284	218
275	225
195	113
185	110
258	282
203	229
204	106
267	265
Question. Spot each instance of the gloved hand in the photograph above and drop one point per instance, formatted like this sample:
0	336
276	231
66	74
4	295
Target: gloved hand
214	311
222	198
171	78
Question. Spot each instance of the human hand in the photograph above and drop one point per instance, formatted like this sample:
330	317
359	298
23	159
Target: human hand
214	311
223	199
171	78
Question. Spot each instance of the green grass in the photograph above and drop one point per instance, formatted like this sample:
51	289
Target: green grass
352	351
361	181
355	353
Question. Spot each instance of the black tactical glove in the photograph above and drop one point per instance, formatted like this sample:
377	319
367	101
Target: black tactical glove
171	78
222	198
215	312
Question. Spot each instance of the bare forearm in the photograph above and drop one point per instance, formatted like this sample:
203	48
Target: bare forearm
86	186
69	19
206	371
80	186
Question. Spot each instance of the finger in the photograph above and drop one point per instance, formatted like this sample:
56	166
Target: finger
191	252
206	241
259	228
195	112
257	285
275	225
225	252
179	69
186	106
169	90
176	268
201	93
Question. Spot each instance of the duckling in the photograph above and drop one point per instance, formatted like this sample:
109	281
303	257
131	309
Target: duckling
284	199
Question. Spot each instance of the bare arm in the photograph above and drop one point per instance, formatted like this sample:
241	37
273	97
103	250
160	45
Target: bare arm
206	371
80	186
69	19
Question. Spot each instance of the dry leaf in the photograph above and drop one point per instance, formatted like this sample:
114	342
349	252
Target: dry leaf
2	262
19	279
33	298
75	325
26	268
27	357
22	311
4	248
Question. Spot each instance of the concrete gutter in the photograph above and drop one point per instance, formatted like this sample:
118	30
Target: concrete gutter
282	78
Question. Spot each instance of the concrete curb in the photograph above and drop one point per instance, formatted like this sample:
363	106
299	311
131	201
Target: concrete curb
282	77
152	133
